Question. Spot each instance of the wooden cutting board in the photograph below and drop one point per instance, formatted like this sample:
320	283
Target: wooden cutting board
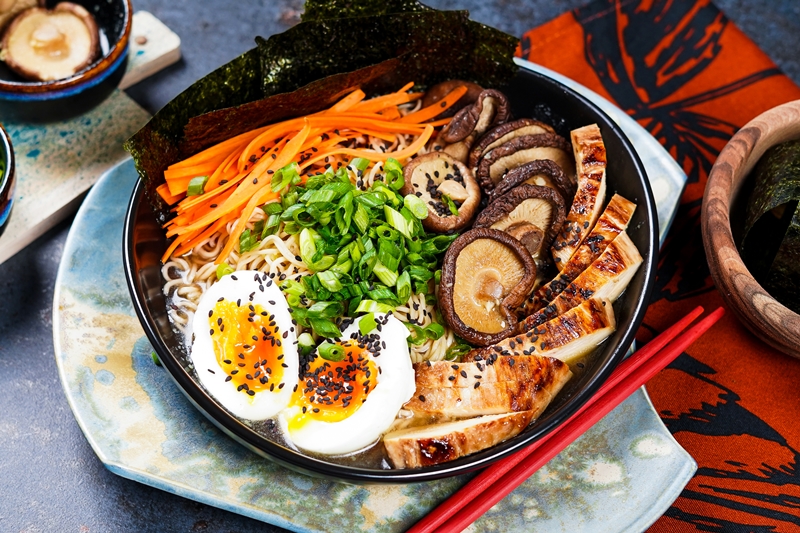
58	162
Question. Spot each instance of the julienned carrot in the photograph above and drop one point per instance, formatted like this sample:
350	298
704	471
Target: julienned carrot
163	192
249	186
406	152
264	195
210	152
427	113
240	168
388	137
189	244
346	103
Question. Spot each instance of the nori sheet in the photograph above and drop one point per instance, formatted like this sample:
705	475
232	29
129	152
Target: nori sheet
307	67
771	241
335	9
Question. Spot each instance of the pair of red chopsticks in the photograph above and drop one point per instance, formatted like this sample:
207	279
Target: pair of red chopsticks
497	481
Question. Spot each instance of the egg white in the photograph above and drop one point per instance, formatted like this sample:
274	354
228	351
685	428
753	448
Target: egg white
240	286
395	386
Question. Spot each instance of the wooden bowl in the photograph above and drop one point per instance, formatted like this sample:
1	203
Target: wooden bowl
770	320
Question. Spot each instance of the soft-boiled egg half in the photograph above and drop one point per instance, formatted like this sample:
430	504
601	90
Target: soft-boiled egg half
343	406
244	346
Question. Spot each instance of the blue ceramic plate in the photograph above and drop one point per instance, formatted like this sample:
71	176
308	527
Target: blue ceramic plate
620	476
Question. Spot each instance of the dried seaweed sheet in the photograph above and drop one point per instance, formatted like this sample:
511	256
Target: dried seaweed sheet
337	9
307	67
771	238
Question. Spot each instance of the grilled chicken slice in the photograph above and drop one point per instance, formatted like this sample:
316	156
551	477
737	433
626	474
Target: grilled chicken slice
612	222
567	337
606	277
444	404
438	443
445	374
590	167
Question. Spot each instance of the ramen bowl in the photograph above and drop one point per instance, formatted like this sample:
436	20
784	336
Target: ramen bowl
531	95
47	101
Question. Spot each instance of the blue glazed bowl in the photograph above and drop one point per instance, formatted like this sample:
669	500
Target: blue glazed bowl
47	101
7	179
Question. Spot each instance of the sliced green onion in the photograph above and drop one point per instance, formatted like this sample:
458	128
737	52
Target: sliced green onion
196	186
387	277
285	177
361	218
371	306
457	349
155	358
367	323
404	286
330	280
416	205
325	310
324	327
394	174
223	269
272	208
247	241
381	293
306	343
359	163
271	225
372	199
389	254
450	205
398	222
331	352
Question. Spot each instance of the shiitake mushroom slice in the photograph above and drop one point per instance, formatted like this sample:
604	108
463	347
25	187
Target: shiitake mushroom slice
430	176
503	133
43	45
486	275
543	172
531	213
489	109
495	164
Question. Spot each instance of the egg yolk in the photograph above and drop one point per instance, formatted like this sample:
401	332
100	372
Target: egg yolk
334	390
247	344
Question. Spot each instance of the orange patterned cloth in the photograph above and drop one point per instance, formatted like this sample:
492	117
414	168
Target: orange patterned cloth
692	78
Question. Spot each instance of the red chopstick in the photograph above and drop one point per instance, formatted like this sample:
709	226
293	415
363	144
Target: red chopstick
629	375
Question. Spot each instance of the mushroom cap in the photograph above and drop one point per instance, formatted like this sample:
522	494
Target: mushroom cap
524	206
489	109
486	275
440	90
544	172
503	133
520	150
433	174
9	9
44	45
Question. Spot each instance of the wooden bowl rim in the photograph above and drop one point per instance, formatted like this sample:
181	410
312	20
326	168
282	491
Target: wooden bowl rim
770	320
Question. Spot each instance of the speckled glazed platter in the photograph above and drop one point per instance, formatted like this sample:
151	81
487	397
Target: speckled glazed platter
620	476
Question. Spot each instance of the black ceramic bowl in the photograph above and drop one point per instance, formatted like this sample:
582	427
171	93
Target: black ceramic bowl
47	101
7	179
531	95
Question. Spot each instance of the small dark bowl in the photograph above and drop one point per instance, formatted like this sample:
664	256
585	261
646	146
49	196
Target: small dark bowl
531	95
8	179
48	101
